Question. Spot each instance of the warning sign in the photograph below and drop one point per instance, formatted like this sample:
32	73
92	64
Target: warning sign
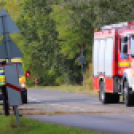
35	80
12	84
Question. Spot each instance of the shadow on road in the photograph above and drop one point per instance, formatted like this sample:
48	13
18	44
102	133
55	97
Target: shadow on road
55	101
71	100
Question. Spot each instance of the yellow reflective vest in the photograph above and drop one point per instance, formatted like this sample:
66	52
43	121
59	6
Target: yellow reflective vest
2	76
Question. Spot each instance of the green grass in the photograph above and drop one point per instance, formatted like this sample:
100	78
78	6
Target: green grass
75	89
29	126
63	88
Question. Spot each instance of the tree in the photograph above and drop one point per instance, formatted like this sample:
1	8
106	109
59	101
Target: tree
75	23
40	40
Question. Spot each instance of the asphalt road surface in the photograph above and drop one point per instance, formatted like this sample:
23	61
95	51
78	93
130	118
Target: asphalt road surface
86	111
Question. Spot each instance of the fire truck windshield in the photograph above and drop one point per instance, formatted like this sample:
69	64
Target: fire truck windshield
132	46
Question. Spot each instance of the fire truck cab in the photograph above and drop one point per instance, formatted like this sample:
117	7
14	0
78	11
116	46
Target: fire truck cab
113	63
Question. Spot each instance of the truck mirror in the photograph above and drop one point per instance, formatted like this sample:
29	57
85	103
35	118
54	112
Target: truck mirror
125	49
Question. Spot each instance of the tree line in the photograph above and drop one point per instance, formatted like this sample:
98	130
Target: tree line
51	30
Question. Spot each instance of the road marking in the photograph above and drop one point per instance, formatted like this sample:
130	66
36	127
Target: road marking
59	105
76	107
95	103
31	99
66	106
79	108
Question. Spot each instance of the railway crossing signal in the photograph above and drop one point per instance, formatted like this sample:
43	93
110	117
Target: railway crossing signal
27	74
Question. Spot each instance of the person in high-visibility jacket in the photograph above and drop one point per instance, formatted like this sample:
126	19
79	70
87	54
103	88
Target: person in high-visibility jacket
22	78
3	88
2	73
2	76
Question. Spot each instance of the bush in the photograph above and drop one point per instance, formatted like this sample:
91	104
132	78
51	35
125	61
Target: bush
59	80
89	78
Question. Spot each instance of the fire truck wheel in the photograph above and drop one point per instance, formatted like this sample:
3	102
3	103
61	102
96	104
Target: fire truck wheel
24	97
104	97
115	98
127	96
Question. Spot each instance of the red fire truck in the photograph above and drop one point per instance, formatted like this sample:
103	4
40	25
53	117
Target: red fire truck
113	63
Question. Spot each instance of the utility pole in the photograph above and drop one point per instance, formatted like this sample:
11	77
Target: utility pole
82	59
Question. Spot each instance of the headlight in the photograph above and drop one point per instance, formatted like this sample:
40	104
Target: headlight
22	85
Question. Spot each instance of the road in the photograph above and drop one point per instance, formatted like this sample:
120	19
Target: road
79	110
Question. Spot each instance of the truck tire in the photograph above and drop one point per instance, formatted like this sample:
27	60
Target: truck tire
128	98
24	97
104	97
115	98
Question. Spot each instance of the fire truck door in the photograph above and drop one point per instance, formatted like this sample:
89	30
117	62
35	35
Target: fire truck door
126	59
132	59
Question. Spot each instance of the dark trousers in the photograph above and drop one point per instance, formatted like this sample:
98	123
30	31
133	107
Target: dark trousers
5	101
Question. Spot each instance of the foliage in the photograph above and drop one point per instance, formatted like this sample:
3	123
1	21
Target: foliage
88	77
51	30
40	37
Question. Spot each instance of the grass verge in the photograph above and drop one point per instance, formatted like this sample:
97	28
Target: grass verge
29	126
69	88
63	88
